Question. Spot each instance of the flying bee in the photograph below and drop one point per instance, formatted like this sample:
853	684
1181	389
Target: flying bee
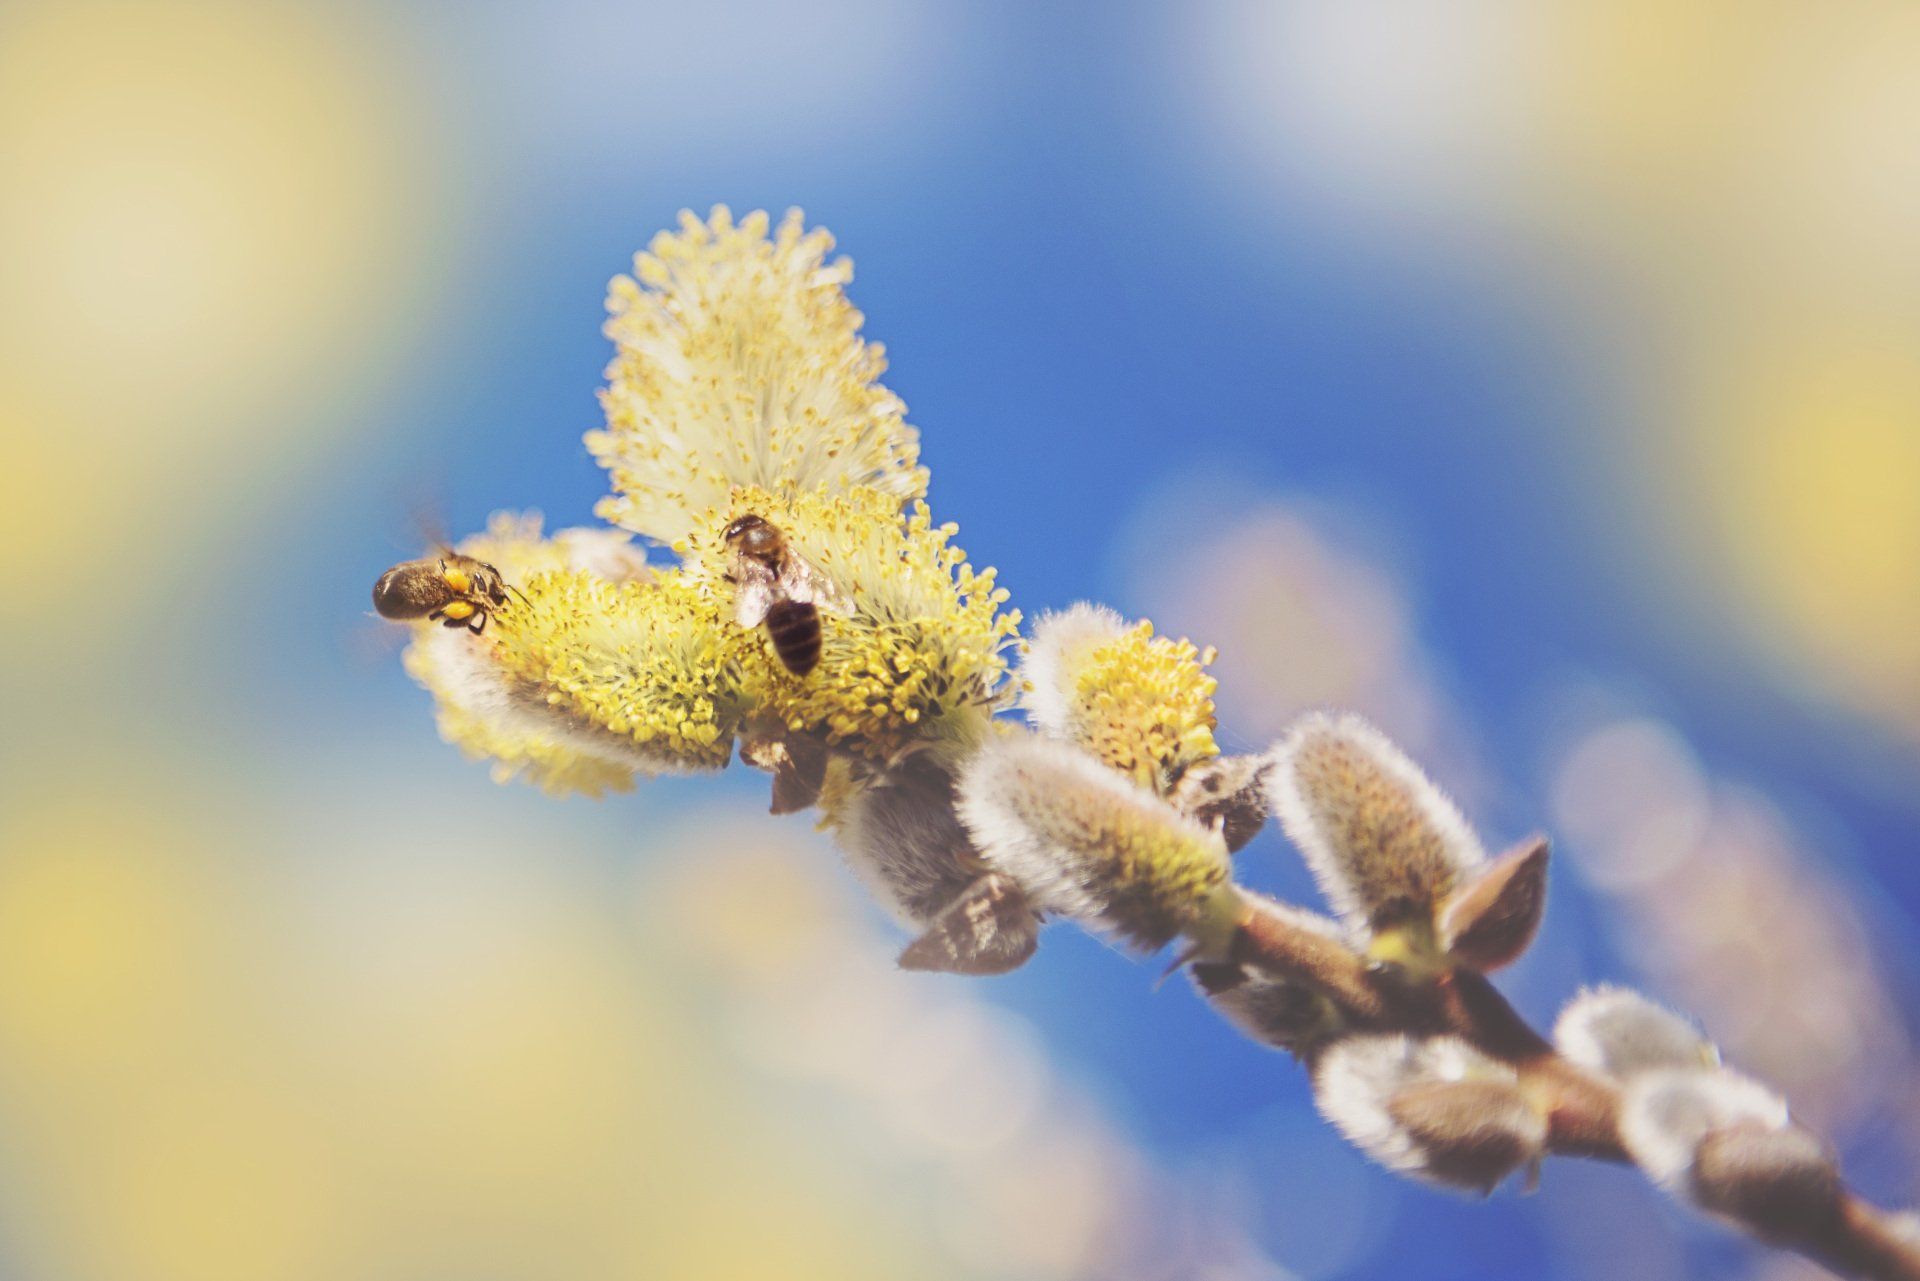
450	588
778	587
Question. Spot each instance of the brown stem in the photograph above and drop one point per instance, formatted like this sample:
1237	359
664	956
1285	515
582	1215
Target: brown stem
1861	1240
1269	941
1583	1110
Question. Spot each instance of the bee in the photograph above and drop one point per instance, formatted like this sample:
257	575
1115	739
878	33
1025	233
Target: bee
778	587
451	588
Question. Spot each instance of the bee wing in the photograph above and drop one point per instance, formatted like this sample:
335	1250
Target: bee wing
829	597
755	592
990	929
429	526
753	602
804	583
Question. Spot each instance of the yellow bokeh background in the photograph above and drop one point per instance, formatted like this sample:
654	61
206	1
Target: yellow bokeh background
216	213
222	219
1800	470
1751	169
205	1074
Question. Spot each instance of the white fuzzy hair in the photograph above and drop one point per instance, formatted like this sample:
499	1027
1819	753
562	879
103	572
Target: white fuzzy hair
1356	1079
604	552
1620	1033
472	682
1665	1113
1016	786
1058	644
1302	816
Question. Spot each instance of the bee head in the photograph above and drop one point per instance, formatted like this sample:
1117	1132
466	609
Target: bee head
753	535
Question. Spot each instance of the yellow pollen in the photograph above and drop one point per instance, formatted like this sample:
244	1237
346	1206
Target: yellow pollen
1145	705
738	360
920	654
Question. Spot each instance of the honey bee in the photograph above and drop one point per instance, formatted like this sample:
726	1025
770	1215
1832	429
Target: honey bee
451	588
778	587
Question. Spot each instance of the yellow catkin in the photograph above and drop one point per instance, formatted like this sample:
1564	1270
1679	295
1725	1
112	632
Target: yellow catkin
739	362
516	754
514	543
1144	705
1090	845
649	662
1158	876
922	654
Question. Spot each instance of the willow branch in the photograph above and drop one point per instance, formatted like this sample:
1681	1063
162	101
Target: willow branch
1844	1233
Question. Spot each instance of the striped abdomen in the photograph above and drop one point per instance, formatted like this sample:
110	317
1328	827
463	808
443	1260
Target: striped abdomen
795	629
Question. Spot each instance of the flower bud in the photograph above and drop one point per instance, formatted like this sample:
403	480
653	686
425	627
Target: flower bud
488	713
1780	1183
1471	1134
1085	843
1619	1033
1058	648
1227	794
1385	844
494	705
1665	1113
1141	703
738	360
1435	1109
904	840
516	748
641	663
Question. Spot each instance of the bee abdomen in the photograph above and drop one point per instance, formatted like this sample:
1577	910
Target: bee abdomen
409	591
795	630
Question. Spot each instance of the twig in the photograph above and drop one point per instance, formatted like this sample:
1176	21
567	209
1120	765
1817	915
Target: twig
1853	1237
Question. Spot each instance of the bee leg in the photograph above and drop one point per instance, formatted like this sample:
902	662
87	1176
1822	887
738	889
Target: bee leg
478	623
436	615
